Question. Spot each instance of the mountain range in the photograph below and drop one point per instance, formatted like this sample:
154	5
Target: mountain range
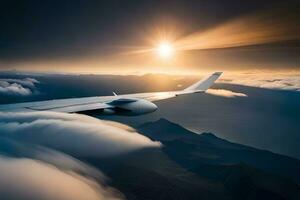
200	166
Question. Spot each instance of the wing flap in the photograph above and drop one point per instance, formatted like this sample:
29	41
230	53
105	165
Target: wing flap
151	96
72	108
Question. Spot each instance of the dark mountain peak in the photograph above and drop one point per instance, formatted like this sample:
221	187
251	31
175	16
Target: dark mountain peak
165	124
211	135
163	129
163	120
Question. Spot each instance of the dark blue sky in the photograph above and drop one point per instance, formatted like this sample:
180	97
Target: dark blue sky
43	30
38	28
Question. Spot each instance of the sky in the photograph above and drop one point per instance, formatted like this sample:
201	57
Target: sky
124	37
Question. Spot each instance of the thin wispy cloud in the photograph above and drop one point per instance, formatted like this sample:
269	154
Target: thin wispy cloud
277	24
225	93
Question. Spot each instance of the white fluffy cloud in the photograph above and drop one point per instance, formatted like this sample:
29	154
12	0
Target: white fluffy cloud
270	80
22	87
225	93
33	172
16	181
37	149
63	161
74	134
23	178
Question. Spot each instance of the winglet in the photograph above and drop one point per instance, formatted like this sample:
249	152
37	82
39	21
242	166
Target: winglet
205	83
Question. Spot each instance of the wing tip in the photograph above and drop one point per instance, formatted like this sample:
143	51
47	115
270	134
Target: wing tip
218	73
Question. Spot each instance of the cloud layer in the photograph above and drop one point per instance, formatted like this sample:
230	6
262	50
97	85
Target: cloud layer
37	153
74	134
270	80
32	172
20	87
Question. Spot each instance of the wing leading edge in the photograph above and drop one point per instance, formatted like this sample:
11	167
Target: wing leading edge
75	105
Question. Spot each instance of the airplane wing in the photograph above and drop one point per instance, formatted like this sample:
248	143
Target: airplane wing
198	87
78	105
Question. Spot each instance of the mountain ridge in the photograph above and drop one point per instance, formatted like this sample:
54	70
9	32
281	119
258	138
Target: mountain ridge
211	149
199	166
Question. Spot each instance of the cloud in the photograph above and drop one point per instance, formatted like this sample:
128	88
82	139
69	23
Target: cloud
24	178
37	153
33	172
28	82
225	93
74	134
63	161
270	80
264	27
21	87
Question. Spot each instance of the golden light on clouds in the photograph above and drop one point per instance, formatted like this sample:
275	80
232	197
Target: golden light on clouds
230	39
265	27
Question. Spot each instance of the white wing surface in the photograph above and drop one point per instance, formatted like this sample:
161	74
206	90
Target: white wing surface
75	105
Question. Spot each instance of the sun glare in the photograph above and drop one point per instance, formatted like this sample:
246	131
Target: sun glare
165	49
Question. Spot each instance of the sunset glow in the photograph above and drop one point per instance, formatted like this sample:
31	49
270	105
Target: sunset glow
165	49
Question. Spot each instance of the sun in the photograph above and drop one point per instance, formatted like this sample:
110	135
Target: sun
165	49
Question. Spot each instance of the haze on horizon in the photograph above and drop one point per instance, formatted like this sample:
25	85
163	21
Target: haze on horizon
126	37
